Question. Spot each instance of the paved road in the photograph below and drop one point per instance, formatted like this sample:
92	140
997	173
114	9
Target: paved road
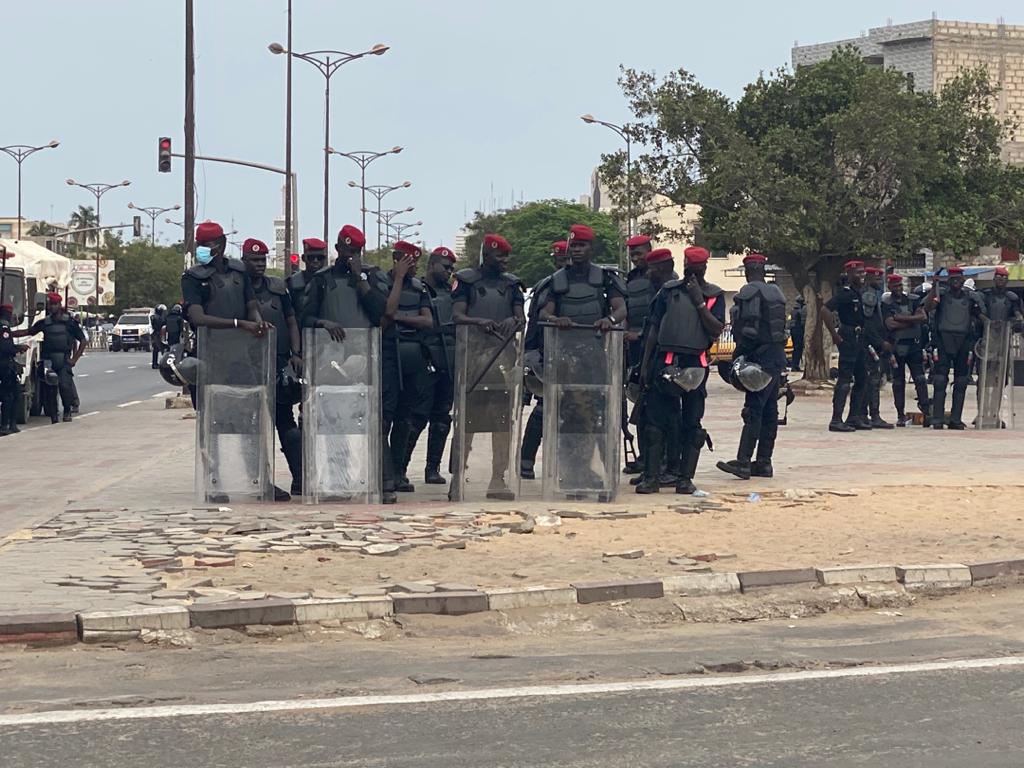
107	380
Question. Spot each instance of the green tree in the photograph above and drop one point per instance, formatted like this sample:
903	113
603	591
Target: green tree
41	229
145	275
832	162
532	227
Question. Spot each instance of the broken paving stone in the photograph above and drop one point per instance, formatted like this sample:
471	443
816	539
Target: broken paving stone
383	549
454	587
681	561
250	527
433	679
171	594
452	545
627	554
412	587
288	595
373	591
799	494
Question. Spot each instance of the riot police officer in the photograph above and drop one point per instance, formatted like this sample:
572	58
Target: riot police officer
174	326
845	322
639	295
276	309
408	316
904	315
492	298
350	295
955	313
63	345
759	328
9	387
686	317
156	325
314	258
440	382
876	345
533	357
1001	303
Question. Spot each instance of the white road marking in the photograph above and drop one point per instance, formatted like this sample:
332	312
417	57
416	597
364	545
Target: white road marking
132	366
109	371
163	394
82	375
90	413
132	402
489	694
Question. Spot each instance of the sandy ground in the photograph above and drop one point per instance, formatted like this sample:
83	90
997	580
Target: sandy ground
894	525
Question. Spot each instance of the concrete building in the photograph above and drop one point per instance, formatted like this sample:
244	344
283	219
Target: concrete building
277	256
931	52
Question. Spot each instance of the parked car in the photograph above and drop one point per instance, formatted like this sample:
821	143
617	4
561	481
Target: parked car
131	331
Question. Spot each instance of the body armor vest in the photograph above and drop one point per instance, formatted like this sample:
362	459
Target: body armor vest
681	329
1001	306
761	314
297	290
57	338
905	305
269	296
224	291
874	325
582	301
953	314
441	340
490	297
409	306
174	324
538	298
340	303
639	292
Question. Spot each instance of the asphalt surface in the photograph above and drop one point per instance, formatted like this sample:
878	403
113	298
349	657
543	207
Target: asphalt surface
108	380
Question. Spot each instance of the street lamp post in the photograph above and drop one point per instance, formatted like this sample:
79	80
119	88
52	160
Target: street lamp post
385	217
400	227
98	190
591	120
153	211
327	63
363	158
379	191
19	152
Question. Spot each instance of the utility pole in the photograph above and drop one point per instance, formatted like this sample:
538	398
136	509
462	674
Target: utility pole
190	131
288	191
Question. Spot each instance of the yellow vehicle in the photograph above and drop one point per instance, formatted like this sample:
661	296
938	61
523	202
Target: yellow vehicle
725	345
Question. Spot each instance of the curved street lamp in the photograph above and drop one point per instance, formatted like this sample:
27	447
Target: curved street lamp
591	120
327	62
19	152
379	191
98	190
153	211
362	158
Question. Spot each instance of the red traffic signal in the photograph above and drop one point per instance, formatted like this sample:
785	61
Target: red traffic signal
294	259
164	160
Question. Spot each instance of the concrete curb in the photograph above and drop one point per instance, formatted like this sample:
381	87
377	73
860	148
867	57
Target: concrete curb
115	626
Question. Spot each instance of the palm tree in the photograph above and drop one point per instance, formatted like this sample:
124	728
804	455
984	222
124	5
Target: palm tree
42	229
83	218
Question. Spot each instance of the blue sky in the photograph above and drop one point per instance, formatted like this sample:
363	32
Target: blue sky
482	95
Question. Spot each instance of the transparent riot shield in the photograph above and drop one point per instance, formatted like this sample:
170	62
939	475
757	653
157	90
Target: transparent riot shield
235	425
582	413
995	377
341	429
487	414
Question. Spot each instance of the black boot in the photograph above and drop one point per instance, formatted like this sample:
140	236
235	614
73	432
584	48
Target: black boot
532	434
432	476
740	467
839	397
939	403
692	445
654	440
956	412
67	415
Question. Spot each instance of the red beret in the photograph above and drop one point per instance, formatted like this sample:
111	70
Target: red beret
408	248
874	271
636	240
755	258
54	298
349	235
496	242
314	244
956	270
1002	272
581	232
6	307
853	264
252	245
894	278
444	253
658	255
208	230
696	255
559	246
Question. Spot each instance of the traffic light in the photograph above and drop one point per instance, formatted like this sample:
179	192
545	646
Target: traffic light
136	226
295	259
165	155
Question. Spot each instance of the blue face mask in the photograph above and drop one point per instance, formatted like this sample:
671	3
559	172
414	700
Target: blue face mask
203	254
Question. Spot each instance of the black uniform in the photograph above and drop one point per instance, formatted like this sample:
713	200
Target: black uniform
332	295
1002	305
954	319
875	335
275	308
439	389
297	289
682	341
797	327
639	295
853	372
9	388
533	432
175	325
60	333
759	328
156	324
907	352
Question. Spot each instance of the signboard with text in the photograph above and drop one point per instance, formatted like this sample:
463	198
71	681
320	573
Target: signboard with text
82	290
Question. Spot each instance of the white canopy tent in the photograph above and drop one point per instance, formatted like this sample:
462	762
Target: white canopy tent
49	268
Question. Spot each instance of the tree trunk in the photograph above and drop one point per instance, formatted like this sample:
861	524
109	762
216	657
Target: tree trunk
817	343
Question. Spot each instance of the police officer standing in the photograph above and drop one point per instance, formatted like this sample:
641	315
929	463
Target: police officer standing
686	317
904	315
1001	303
63	345
492	298
349	295
440	382
533	346
876	345
759	328
9	388
845	322
174	326
408	316
797	327
156	324
314	258
276	309
639	295
955	313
